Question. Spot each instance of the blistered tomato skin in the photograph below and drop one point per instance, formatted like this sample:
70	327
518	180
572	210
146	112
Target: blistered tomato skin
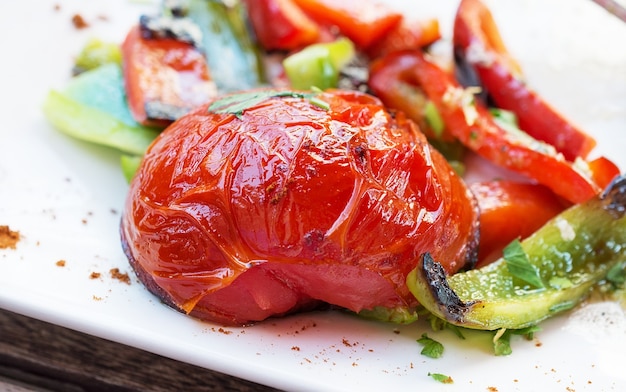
235	219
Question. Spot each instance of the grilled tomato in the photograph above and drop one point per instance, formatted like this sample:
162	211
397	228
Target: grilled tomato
269	202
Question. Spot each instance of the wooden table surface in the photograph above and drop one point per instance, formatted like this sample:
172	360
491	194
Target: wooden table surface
38	356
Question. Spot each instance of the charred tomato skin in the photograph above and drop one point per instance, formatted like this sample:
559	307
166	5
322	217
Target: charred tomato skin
234	218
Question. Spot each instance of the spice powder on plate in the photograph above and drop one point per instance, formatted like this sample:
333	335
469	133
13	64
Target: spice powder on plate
8	238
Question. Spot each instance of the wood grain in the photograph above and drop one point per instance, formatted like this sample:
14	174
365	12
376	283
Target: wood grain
38	356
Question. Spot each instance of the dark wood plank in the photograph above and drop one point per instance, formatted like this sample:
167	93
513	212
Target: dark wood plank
39	356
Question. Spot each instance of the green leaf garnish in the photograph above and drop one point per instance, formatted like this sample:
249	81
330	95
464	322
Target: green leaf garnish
502	338
502	343
617	274
432	348
442	378
237	103
519	266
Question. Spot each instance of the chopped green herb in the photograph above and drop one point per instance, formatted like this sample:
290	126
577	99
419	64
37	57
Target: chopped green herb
237	103
502	338
432	348
502	342
442	378
617	274
519	266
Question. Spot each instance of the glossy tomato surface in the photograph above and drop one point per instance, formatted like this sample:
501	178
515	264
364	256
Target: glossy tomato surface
234	218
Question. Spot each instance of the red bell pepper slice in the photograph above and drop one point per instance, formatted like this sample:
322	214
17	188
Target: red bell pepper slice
393	80
471	123
164	78
529	205
603	171
363	21
408	34
478	45
281	24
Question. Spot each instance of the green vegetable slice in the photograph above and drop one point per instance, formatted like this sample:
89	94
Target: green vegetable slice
233	59
581	245
102	88
318	65
130	164
93	108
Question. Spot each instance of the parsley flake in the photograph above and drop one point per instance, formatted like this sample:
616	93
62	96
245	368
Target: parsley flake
442	378
519	265
432	348
502	338
237	103
502	343
617	274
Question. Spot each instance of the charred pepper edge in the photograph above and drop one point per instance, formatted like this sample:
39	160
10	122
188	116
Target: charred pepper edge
614	197
449	303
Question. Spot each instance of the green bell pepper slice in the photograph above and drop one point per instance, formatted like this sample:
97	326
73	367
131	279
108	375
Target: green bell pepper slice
318	65
570	254
93	108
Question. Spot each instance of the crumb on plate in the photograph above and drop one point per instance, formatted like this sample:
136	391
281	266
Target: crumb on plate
121	276
79	22
8	238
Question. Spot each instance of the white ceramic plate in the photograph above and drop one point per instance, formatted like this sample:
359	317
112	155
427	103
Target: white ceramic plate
65	198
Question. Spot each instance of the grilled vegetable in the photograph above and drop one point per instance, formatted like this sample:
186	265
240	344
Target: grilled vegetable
318	65
281	25
267	202
365	22
233	59
164	77
480	51
471	122
547	273
93	108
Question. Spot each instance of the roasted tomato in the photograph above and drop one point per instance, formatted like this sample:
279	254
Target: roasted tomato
278	203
